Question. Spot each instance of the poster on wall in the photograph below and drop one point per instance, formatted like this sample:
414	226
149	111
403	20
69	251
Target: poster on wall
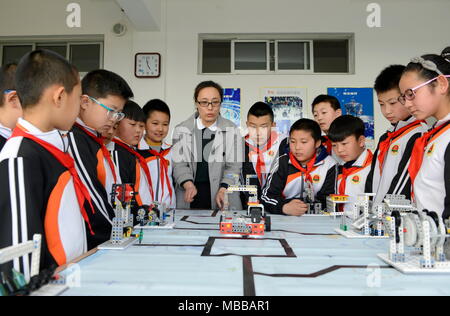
287	105
358	102
231	105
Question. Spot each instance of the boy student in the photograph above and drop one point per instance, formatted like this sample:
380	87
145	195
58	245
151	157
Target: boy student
41	190
263	145
326	109
388	174
104	96
108	137
10	109
425	91
132	166
349	144
157	153
306	164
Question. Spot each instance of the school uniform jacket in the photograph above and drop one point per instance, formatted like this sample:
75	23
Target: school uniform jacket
93	170
393	173
161	170
355	175
38	196
431	186
131	171
5	133
260	166
285	182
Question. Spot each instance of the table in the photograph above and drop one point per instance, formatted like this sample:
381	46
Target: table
300	256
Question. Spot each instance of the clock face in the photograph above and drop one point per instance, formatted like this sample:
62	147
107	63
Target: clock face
147	65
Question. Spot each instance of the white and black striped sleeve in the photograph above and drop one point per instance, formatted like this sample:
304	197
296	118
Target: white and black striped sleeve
272	193
21	207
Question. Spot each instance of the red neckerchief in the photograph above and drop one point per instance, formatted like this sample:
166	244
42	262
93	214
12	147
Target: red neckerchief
163	169
327	144
259	152
418	152
349	171
141	161
385	144
105	152
309	166
64	158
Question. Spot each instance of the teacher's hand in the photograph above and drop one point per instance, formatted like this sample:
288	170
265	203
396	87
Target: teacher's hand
220	198
190	191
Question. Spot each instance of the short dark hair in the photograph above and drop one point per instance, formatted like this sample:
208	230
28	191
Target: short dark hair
39	70
155	105
101	83
133	111
333	101
345	126
389	78
261	109
208	84
7	73
307	125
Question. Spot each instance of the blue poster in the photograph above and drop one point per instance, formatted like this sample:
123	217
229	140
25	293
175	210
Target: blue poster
357	102
231	105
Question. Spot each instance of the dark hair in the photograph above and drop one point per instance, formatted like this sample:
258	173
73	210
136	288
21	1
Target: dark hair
101	83
307	125
389	78
327	98
208	84
261	109
446	53
442	64
345	126
39	70
133	111
7	73
155	105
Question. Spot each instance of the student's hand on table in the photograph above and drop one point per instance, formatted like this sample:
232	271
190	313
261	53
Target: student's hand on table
220	198
295	208
190	191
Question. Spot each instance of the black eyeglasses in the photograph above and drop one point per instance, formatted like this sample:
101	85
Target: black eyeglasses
205	104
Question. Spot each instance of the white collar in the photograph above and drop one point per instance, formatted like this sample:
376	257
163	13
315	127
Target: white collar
90	129
200	125
445	119
55	137
5	132
143	145
401	124
361	159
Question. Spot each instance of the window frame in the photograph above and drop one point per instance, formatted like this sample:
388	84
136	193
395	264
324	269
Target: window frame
278	37
296	71
54	41
233	61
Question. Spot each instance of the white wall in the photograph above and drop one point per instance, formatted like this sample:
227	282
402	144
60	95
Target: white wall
409	28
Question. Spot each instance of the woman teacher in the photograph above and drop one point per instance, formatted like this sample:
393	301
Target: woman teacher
207	153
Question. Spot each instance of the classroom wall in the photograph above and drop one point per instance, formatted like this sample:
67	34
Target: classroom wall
408	28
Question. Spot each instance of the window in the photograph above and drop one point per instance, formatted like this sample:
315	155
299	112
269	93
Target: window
250	55
276	54
216	56
86	55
